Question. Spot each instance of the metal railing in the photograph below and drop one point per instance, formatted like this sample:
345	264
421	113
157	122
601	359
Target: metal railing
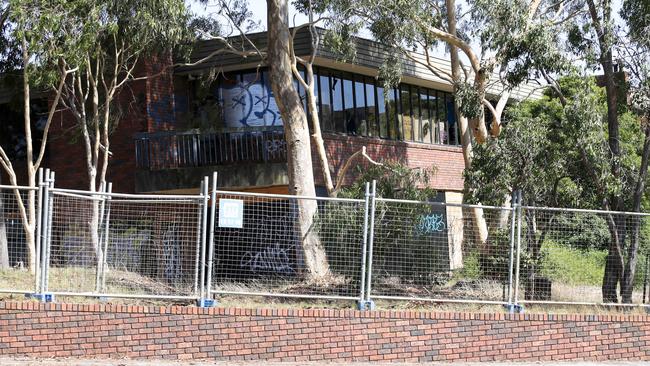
219	243
187	149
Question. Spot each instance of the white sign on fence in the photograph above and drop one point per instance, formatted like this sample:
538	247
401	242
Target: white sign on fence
231	213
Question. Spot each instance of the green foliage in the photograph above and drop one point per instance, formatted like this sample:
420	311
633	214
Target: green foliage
394	180
470	101
82	32
637	15
572	266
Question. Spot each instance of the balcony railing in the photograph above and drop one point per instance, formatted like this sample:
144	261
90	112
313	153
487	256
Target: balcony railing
188	149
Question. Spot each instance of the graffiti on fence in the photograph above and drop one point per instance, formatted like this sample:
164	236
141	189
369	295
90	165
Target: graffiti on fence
431	223
273	258
265	245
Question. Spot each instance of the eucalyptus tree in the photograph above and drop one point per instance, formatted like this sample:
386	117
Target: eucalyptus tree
109	43
279	56
33	27
504	44
617	50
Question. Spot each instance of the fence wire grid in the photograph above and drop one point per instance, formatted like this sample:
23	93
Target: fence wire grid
124	245
15	275
266	255
565	256
104	244
434	251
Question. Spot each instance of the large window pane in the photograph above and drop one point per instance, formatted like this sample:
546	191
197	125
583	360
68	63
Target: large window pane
383	116
360	117
371	113
433	115
415	107
325	101
442	119
424	116
451	120
348	102
407	120
248	101
394	118
337	103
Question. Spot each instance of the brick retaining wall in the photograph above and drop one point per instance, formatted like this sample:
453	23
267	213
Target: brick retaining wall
176	332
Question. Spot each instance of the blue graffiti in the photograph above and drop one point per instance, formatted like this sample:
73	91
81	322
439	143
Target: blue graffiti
431	223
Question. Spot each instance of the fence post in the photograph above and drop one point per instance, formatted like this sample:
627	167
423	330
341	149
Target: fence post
373	194
513	207
101	220
48	202
197	254
202	240
38	232
517	306
46	224
208	301
364	304
107	220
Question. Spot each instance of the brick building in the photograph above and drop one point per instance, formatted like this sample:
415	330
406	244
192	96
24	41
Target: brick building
182	127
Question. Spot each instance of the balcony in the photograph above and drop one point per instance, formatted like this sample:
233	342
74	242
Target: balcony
191	149
248	157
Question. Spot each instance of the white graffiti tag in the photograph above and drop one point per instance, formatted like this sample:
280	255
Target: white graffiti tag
270	259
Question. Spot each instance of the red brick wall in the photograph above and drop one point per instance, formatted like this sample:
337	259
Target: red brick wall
115	331
447	160
144	105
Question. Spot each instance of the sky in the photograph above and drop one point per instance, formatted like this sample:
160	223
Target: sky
258	8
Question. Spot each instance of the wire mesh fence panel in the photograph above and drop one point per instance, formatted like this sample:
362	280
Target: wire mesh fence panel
124	245
152	247
580	256
74	242
267	253
438	252
15	242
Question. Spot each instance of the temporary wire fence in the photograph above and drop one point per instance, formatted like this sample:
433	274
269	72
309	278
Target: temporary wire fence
432	251
288	246
17	240
571	256
218	243
121	245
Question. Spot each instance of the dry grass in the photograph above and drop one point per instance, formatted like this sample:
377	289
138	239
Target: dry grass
82	280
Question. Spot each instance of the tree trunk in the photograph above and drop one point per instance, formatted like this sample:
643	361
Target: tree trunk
481	232
317	134
4	243
614	262
29	220
627	282
296	130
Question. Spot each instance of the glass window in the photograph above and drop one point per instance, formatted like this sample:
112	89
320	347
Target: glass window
337	103
325	96
247	101
407	120
417	121
394	118
348	102
371	113
442	119
360	117
451	120
424	116
433	115
383	116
